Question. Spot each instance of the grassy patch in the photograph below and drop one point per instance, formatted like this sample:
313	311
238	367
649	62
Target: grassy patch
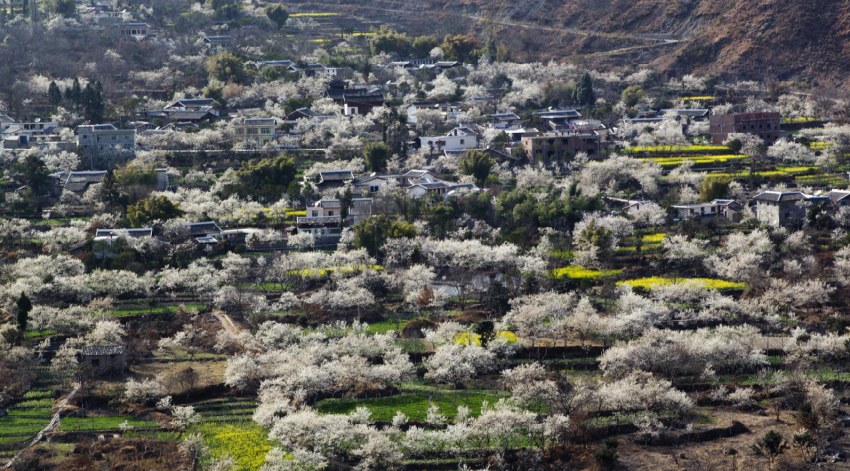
320	272
563	254
709	283
133	311
413	401
39	334
113	422
575	272
386	326
25	418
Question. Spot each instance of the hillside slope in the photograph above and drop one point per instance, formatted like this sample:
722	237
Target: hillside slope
752	39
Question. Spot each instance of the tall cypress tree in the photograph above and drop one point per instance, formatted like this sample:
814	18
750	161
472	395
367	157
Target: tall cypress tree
54	94
584	94
92	102
24	306
74	93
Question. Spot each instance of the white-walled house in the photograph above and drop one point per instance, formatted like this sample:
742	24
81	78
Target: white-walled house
729	209
459	138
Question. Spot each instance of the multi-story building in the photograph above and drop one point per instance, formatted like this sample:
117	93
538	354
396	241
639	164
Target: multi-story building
764	125
326	218
256	132
105	141
548	148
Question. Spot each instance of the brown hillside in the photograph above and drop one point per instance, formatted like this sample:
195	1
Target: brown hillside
747	39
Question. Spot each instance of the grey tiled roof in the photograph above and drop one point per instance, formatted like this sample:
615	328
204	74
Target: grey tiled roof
101	350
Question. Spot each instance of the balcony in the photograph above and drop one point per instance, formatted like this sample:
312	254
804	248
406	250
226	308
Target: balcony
318	220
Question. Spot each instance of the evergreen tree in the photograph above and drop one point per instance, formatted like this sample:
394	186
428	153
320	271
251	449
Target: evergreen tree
278	14
583	94
24	306
376	155
54	95
92	102
478	164
109	191
34	174
74	93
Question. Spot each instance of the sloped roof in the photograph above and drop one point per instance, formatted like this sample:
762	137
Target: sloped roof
839	195
336	175
199	228
140	232
777	196
101	350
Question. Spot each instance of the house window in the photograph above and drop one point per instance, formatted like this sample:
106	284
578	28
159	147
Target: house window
374	188
315	214
461	142
330	213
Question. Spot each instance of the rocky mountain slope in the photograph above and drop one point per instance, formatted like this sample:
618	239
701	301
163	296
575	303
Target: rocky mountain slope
748	39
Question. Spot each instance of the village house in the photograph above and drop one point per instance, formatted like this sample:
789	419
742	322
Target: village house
549	148
355	99
203	232
626	206
217	43
77	182
32	134
505	121
109	235
782	208
280	65
137	31
334	178
439	187
375	183
188	110
459	138
326	72
103	359
839	197
558	120
326	217
451	112
729	209
101	141
764	125
255	132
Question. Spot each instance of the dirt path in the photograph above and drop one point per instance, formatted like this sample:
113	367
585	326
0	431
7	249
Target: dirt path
228	324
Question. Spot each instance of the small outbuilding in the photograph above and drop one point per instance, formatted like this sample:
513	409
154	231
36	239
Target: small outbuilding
103	359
